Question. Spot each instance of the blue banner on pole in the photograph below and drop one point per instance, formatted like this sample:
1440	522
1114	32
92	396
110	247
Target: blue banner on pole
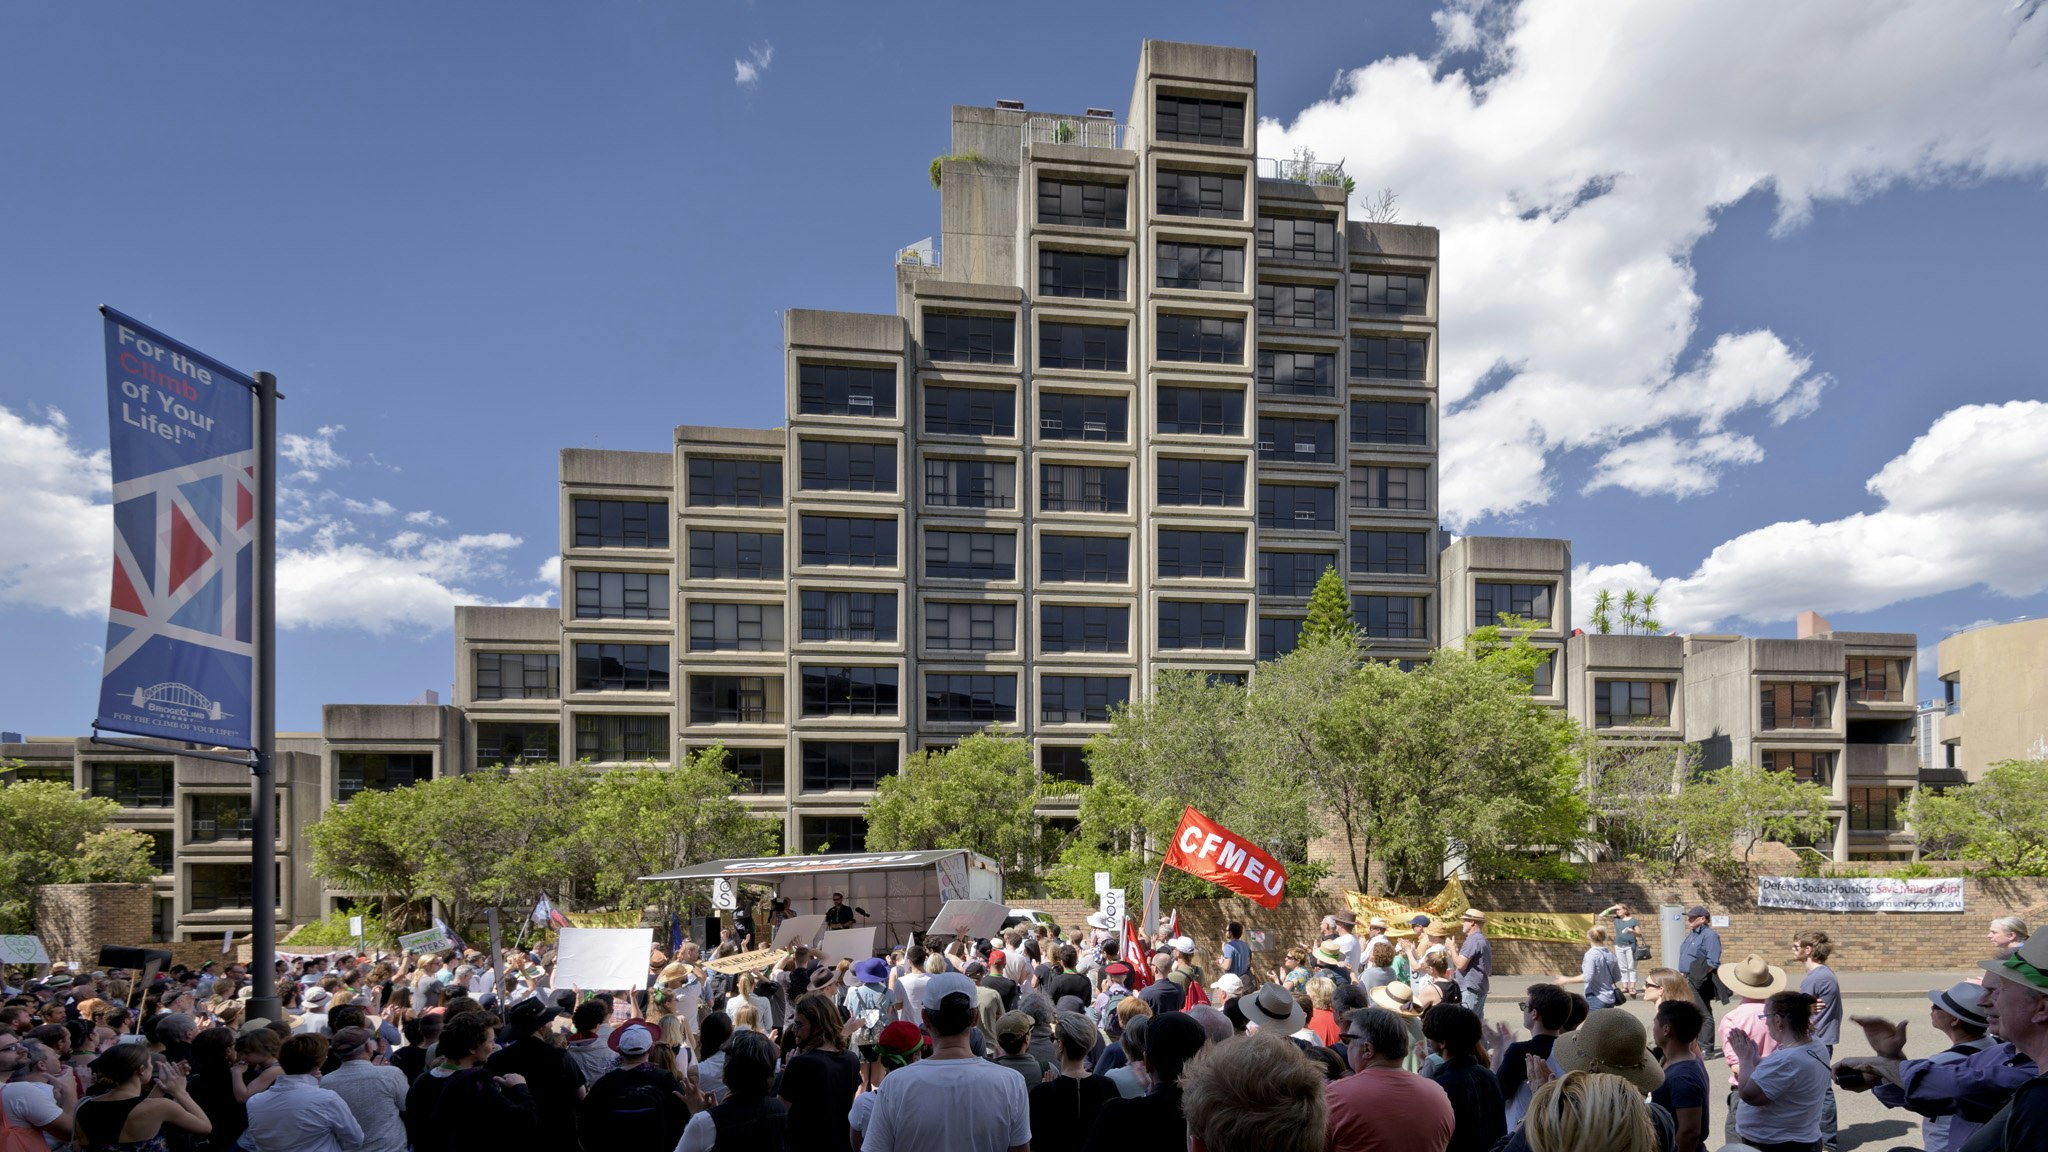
180	647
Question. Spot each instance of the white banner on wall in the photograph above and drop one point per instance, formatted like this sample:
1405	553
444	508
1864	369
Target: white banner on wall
1874	894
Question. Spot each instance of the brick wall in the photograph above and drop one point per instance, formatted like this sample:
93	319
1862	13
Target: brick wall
74	920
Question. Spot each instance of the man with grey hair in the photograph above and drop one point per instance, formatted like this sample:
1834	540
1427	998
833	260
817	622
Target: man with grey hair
374	1093
1215	1023
1381	1104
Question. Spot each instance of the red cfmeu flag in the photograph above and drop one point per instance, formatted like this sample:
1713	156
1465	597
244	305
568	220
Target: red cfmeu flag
1204	848
1136	955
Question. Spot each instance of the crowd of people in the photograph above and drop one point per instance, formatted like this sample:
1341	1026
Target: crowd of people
1363	1040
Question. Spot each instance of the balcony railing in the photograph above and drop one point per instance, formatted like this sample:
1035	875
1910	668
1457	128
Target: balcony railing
925	251
1078	131
1302	171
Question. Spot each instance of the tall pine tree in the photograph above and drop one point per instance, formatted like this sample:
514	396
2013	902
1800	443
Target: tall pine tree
1329	613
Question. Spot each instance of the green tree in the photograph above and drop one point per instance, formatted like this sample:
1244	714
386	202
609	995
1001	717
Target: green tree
1329	613
50	834
2001	819
1631	787
1725	814
1635	614
376	846
644	821
977	795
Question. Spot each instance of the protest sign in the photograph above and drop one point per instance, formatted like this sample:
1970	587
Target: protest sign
753	961
427	940
977	918
1872	894
613	959
799	931
22	950
848	943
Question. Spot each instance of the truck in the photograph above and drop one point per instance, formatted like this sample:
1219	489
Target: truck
898	893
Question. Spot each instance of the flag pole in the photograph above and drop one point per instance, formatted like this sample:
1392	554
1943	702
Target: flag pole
263	1001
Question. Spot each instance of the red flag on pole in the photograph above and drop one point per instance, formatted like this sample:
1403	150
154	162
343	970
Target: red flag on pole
1134	954
1204	848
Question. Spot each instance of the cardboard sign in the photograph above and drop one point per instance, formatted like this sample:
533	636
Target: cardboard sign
977	918
725	895
429	940
1259	939
611	959
753	961
355	926
848	943
799	931
22	950
1113	907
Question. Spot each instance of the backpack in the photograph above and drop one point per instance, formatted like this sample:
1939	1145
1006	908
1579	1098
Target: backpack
865	1006
1196	994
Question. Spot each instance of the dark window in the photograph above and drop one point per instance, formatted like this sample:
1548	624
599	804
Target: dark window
1805	767
1297	507
1375	487
971	339
1081	699
1389	422
1200	339
1296	439
1625	703
1081	416
217	818
623	595
1543	682
970	699
759	770
1491	601
849	541
1084	628
1878	809
1193	120
833	833
515	743
1084	559
849	691
1278	635
1391	617
1874	679
846	390
1298	305
162	851
518	675
1200	624
1090	347
1065	762
1291	573
622	667
38	774
1798	706
1389	358
832	765
735	699
1389	293
379	771
1083	488
848	466
1389	553
1312	238
1214	555
621	523
1081	202
720	627
132	785
969	483
1209	267
1219	483
970	626
969	411
1201	411
1285	373
722	482
735	555
970	555
1212	194
614	739
1087	275
868	617
210	887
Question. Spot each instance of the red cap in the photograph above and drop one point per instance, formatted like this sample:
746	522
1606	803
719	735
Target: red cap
900	1037
995	958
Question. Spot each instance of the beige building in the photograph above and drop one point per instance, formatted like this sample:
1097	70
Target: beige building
1994	683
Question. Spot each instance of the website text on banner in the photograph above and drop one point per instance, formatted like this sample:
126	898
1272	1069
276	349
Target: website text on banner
1860	894
1204	848
180	649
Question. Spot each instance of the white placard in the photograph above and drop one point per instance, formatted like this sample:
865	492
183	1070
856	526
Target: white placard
725	895
798	930
355	926
1102	883
603	959
1848	894
848	943
1113	907
1717	921
22	950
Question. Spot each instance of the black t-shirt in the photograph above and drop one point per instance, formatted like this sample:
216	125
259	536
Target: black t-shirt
552	1077
1475	1102
1003	987
1685	1086
818	1086
633	1108
1069	984
1514	1071
1063	1109
839	916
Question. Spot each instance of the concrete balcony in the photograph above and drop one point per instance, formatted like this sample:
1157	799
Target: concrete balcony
1893	764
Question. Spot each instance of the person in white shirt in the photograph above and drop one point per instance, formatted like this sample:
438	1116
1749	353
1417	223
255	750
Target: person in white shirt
1780	1094
1347	940
296	1114
37	1092
954	1101
374	1093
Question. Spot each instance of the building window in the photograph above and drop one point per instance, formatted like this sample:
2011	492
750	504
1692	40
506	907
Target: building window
1289	373
969	483
162	852
723	482
1543	681
1087	347
735	555
1065	762
1297	440
622	595
1207	267
838	765
849	691
1083	275
518	675
132	785
1081	203
735	700
1389	358
1084	628
615	739
1216	195
1798	706
1876	680
847	466
1309	238
1805	766
759	770
1185	624
1292	573
622	667
1081	416
969	411
379	771
720	627
1209	555
1279	635
970	556
969	626
211	887
863	617
1201	411
970	699
1217	483
1378	552
217	818
1297	507
969	338
849	541
1083	488
621	523
1081	699
1389	293
517	743
1084	559
1193	120
1389	422
1878	809
1200	339
1631	703
1376	487
38	774
1391	617
1298	305
833	833
1530	602
846	390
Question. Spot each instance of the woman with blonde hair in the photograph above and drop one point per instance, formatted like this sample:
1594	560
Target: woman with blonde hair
1589	1112
1293	973
1322	993
1599	971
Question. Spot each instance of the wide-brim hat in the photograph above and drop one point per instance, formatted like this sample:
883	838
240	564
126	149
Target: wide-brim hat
2027	966
612	1041
1474	915
1099	921
528	1015
1754	978
873	970
1396	997
1272	1006
1964	1001
1614	1042
823	978
1328	953
1346	919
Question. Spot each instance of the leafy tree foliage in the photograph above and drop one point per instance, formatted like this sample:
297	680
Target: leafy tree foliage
1329	613
2002	819
642	821
977	795
374	845
51	834
1631	785
1725	814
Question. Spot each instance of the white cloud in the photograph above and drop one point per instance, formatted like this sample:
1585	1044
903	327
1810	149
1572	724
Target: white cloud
413	582
1574	174
426	517
1663	463
1959	508
377	507
55	521
313	454
747	70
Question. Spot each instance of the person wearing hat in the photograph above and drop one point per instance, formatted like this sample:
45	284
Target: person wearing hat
867	1010
636	1104
1957	1013
1342	928
1013	1040
1699	955
1474	961
1327	961
374	1093
1753	980
315	1001
555	1079
901	1043
951	1099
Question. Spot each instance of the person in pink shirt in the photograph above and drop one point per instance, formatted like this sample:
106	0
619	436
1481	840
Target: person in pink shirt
1754	981
1381	1106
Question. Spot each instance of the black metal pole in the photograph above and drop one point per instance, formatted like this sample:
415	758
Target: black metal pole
263	1001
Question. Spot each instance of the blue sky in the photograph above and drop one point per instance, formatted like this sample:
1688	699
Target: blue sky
1740	301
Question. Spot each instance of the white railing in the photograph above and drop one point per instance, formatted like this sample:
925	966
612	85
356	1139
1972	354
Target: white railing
1302	171
1080	131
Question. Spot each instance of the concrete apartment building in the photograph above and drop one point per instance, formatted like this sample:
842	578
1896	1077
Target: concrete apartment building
1994	703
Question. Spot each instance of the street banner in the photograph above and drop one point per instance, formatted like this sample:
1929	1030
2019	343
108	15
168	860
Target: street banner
180	654
1204	848
1447	905
1872	894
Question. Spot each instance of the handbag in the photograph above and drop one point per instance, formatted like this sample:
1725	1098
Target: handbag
1642	953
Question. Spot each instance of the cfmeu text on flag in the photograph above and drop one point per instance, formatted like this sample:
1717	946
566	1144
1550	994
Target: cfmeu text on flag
1204	848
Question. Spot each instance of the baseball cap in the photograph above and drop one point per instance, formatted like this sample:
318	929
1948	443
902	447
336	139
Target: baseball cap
634	1039
946	985
1185	945
1011	1023
1699	910
901	1036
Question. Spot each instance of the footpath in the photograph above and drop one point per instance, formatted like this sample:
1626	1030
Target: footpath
1858	985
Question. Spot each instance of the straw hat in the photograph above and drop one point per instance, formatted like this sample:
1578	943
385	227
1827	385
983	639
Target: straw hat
1612	1041
1328	953
1272	1006
1474	915
1754	978
1396	997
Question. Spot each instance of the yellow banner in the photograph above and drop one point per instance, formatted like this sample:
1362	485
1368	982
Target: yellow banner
1446	906
754	961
